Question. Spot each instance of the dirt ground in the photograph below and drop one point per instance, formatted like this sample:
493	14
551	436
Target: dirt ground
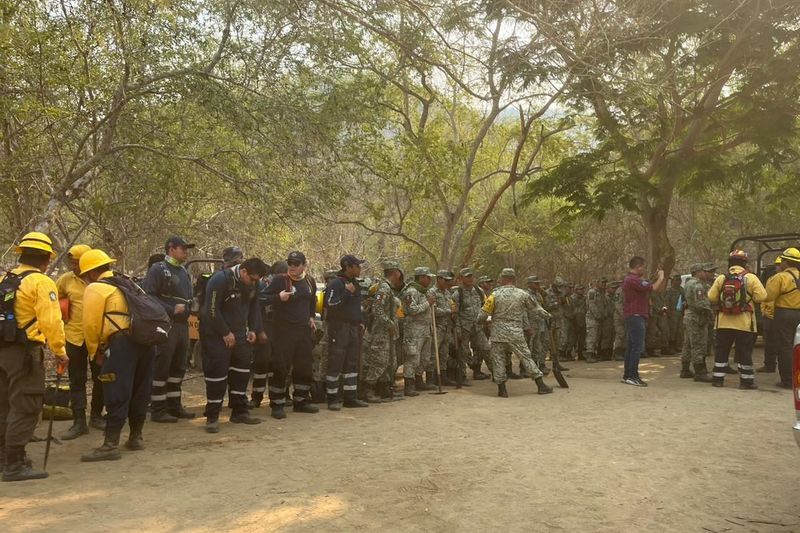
600	456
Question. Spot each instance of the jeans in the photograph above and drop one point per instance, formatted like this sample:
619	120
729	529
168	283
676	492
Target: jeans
635	329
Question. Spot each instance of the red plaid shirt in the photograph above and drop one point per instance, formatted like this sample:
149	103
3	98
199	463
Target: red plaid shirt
636	296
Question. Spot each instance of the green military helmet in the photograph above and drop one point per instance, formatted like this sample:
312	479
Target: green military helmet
508	273
485	279
423	271
709	267
532	279
465	272
444	274
392	265
696	267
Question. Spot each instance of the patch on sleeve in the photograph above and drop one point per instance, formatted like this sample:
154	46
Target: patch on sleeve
53	296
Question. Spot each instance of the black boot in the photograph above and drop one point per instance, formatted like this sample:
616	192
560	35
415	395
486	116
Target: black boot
181	412
501	390
305	407
18	467
318	393
245	418
422	385
408	389
162	416
717	382
370	395
256	399
97	421
78	427
477	375
109	451
541	387
135	439
278	412
395	395
729	370
701	373
686	372
355	403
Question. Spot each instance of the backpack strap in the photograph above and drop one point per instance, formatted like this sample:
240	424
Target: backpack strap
107	314
795	278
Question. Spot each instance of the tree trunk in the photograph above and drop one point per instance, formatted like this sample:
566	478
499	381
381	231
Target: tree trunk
660	253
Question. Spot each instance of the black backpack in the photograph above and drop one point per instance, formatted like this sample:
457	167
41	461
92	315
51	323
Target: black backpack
10	333
150	324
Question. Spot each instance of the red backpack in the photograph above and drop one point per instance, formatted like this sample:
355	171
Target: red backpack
733	295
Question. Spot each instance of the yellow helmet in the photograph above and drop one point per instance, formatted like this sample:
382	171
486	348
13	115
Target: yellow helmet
778	260
791	254
36	241
94	259
78	250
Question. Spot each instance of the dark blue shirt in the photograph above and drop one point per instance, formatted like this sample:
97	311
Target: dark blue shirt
172	285
340	304
230	306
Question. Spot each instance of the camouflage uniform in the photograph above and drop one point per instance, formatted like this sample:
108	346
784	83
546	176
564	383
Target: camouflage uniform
443	309
658	325
555	306
699	315
596	309
674	317
416	328
619	323
538	339
509	308
380	360
470	334
577	305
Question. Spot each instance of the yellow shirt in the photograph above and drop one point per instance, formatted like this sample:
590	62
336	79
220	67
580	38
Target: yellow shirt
755	292
782	290
72	286
99	300
37	298
768	308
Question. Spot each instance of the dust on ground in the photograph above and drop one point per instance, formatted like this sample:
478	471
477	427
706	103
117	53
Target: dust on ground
600	456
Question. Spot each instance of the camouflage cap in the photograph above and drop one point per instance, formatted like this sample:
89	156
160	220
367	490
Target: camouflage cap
508	273
709	267
391	265
696	267
532	279
444	274
464	272
485	279
450	273
422	271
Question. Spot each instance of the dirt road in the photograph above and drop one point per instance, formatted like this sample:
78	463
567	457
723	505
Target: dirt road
601	456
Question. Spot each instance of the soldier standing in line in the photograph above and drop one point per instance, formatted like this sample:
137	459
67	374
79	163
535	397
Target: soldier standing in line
618	301
699	314
538	338
674	317
443	307
472	342
416	330
380	353
595	313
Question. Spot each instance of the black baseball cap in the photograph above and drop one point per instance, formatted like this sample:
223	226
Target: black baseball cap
348	260
176	241
296	257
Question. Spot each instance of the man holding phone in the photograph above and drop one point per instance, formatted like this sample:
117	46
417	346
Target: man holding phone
636	310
